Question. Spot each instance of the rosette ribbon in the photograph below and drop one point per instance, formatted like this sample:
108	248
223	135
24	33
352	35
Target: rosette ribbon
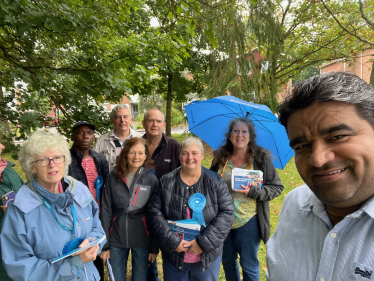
98	184
197	203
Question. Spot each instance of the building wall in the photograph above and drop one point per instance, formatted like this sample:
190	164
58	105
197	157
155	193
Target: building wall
361	65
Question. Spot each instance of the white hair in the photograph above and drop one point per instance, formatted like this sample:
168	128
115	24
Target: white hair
37	144
116	108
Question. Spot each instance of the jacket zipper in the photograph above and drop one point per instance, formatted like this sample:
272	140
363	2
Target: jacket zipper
136	195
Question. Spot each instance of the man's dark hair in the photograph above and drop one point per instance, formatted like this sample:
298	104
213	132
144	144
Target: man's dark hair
333	86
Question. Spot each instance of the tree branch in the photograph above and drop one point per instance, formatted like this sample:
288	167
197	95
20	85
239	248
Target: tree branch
345	29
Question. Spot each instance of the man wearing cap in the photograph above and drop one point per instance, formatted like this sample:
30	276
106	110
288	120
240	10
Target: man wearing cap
110	144
86	165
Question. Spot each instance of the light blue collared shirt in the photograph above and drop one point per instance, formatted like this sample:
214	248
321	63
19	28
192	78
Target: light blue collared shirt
306	246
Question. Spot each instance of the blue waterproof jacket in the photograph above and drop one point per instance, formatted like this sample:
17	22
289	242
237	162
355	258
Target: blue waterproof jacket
31	238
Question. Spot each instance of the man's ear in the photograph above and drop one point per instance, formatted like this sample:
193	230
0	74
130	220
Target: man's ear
71	137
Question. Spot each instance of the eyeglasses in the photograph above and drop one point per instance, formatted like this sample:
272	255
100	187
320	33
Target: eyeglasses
46	161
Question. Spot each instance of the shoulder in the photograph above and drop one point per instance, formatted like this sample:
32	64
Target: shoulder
170	176
171	142
298	197
82	195
149	174
135	133
26	200
105	137
211	174
97	155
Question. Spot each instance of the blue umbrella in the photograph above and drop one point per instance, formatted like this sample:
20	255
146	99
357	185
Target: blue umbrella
210	119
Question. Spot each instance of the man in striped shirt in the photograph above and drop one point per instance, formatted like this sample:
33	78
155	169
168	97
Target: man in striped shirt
86	165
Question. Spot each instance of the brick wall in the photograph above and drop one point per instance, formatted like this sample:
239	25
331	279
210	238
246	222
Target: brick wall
361	65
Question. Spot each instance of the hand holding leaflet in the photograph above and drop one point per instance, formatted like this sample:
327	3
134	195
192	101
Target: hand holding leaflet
77	251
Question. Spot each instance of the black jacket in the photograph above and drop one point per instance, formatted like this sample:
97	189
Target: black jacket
124	210
166	156
76	170
272	187
170	203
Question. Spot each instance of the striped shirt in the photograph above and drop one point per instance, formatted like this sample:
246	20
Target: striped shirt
90	169
306	246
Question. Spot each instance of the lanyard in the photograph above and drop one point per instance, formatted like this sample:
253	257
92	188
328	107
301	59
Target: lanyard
49	207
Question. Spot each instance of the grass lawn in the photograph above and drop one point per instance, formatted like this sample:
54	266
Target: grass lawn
289	177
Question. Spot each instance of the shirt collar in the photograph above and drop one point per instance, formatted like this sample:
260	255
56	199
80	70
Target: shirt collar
315	205
112	134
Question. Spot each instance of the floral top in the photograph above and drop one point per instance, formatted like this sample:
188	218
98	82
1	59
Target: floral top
245	208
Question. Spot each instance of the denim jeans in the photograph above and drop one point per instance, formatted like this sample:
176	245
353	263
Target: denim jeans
244	241
191	271
139	261
152	274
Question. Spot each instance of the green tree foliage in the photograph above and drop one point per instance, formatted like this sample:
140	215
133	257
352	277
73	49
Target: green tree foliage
289	36
70	55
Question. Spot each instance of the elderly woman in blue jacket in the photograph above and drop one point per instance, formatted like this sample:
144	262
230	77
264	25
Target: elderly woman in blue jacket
49	212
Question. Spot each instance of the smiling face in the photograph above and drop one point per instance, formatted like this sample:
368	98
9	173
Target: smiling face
240	136
334	152
136	157
154	125
48	176
191	157
121	121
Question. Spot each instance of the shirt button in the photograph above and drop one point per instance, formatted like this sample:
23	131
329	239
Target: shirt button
191	186
185	205
180	267
359	217
187	187
333	235
322	279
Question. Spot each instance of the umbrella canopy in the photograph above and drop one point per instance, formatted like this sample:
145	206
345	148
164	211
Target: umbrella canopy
210	120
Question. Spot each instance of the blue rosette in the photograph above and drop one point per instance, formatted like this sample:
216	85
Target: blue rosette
197	203
98	184
72	245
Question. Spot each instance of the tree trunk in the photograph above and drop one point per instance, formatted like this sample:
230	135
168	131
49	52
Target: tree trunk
169	100
372	75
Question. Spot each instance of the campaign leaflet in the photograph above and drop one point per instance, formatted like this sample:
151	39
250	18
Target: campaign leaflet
249	178
186	229
78	250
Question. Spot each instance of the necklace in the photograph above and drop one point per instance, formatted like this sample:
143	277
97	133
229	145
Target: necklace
334	213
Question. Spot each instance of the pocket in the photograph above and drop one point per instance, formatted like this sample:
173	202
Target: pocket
140	197
360	272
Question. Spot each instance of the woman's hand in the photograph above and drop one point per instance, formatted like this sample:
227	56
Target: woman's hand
104	255
195	248
90	254
183	246
3	207
152	257
245	190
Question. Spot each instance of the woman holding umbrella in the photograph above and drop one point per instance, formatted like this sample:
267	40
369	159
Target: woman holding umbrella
251	205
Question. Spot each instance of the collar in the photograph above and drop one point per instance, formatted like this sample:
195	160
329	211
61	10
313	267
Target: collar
113	135
318	208
79	154
27	198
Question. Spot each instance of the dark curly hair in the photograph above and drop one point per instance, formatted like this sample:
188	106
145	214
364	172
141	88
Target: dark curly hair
122	168
226	150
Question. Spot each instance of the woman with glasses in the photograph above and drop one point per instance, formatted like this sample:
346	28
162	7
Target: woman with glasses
51	214
124	209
